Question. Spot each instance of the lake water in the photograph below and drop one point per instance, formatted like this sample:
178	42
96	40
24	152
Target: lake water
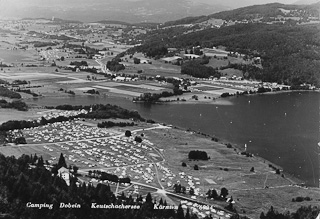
282	128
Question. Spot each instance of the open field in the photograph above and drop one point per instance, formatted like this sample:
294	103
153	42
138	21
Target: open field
240	182
11	114
19	56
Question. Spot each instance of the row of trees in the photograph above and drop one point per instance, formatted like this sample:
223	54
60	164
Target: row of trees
103	111
108	124
154	97
212	193
77	63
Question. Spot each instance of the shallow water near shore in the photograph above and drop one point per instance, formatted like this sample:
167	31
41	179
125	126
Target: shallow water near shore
282	128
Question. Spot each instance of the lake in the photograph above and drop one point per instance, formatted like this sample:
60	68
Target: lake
282	127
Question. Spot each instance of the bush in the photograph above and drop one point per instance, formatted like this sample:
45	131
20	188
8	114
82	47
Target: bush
196	167
184	164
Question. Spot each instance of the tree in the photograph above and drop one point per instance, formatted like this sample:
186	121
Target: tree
136	60
62	162
40	162
184	164
62	58
196	167
224	192
252	169
180	213
191	191
127	133
188	216
148	198
75	169
138	139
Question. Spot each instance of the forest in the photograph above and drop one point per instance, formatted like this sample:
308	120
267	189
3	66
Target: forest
289	53
26	183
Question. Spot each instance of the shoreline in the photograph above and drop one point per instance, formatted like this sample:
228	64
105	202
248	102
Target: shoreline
224	141
217	98
238	149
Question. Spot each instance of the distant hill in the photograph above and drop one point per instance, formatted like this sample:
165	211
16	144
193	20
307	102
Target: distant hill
142	24
267	10
55	20
113	22
289	51
186	20
305	2
131	11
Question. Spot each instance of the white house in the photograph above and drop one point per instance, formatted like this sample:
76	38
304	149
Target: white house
64	174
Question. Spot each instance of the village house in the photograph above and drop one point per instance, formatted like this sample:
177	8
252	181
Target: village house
64	174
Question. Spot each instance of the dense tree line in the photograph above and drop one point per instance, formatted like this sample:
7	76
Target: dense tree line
100	111
114	65
153	50
108	124
21	124
154	97
5	92
196	69
19	82
43	44
303	212
92	91
198	155
77	63
26	181
16	104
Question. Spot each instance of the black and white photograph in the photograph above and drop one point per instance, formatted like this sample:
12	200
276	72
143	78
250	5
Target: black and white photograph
159	109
